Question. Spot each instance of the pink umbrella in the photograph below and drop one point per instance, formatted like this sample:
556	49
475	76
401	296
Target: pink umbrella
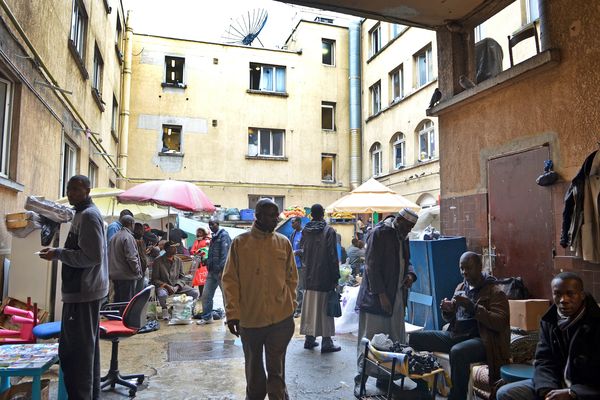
184	196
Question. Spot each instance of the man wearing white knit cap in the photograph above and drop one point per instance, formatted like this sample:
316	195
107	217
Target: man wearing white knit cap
388	276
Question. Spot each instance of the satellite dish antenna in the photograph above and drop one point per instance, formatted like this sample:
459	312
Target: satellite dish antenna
246	27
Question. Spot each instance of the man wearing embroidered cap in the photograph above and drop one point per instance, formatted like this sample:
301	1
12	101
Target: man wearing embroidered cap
388	276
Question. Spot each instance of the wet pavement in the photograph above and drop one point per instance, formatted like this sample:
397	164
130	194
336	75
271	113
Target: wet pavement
206	362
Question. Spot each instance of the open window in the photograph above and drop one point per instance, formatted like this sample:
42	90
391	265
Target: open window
328	168
328	116
174	68
267	78
266	142
328	49
375	97
375	39
171	139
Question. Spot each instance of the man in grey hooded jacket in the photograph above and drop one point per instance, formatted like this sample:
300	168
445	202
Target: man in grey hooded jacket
84	286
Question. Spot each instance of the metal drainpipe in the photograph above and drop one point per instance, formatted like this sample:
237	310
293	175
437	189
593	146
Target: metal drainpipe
355	132
125	100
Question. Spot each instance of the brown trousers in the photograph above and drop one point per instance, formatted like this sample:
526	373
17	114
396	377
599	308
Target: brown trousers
274	339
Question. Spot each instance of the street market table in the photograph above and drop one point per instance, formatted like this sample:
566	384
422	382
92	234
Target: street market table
29	360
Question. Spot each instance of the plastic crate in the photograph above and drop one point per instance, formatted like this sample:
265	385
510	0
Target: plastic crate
247	214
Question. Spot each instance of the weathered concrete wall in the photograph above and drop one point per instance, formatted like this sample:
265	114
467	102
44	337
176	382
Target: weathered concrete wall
554	106
217	79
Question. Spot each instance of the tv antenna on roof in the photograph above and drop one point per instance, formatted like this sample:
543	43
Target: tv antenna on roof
246	27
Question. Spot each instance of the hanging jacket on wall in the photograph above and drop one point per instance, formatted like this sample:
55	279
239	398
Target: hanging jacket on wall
573	210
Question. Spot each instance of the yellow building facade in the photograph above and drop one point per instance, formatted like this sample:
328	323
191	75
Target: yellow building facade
399	76
243	122
60	79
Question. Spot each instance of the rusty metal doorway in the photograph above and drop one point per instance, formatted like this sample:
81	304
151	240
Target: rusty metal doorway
521	219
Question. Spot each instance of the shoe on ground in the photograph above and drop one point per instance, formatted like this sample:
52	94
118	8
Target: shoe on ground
165	315
330	349
205	321
310	342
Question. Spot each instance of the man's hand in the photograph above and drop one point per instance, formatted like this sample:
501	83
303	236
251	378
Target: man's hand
170	289
234	326
48	253
464	302
408	281
447	305
385	303
558	394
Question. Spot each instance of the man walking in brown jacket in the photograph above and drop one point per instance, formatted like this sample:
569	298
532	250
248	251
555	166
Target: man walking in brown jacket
479	327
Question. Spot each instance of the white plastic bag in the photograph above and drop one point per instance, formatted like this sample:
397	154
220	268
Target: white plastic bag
348	322
182	310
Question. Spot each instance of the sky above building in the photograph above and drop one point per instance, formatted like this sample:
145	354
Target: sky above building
209	20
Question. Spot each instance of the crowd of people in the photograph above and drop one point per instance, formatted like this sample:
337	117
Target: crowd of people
268	280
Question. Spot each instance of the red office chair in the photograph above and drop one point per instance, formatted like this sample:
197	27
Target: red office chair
121	326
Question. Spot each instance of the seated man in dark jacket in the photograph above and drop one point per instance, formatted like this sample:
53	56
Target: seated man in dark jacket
479	327
567	358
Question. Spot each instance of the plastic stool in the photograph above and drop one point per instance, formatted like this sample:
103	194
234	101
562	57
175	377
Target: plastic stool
49	330
516	372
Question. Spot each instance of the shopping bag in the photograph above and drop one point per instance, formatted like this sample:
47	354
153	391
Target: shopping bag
200	276
334	309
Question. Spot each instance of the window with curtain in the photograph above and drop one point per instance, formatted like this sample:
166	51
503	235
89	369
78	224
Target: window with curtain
397	83
93	174
376	160
266	142
427	144
375	91
268	78
424	66
5	133
399	151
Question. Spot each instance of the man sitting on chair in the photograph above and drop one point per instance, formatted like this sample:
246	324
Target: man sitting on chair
567	358
168	277
479	327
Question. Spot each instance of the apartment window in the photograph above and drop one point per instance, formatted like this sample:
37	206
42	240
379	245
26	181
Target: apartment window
78	27
266	142
397	83
269	78
328	47
375	39
97	73
427	145
254	198
479	32
424	63
397	29
399	150
171	139
119	39
376	161
5	133
375	92
69	164
328	116
328	167
174	71
533	10
114	123
93	174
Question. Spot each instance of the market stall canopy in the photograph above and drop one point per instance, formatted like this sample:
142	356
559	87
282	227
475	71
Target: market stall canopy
371	197
106	200
182	195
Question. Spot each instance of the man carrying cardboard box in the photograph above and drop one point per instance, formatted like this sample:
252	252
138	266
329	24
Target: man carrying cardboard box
567	358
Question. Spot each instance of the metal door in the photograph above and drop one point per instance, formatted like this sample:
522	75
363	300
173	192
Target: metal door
521	219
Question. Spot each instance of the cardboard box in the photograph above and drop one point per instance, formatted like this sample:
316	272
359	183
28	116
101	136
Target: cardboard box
22	391
526	314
